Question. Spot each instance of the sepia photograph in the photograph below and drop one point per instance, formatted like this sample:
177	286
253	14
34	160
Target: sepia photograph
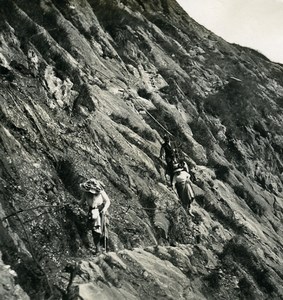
141	149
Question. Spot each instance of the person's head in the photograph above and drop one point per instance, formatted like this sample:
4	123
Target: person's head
92	186
166	138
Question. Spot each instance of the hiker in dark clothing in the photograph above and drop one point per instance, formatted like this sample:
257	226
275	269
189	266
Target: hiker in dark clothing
168	151
98	204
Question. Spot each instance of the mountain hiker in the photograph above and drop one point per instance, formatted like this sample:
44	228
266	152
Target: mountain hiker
182	184
168	151
182	164
98	204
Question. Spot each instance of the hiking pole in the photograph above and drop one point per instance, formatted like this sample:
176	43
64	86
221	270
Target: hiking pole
104	229
105	243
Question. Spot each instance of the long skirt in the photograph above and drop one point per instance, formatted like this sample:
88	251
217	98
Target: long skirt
100	233
185	193
99	226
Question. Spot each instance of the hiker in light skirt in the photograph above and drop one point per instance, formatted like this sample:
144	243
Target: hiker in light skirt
182	184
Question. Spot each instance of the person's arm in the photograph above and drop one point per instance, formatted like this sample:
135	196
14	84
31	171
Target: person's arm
106	201
82	200
186	168
161	152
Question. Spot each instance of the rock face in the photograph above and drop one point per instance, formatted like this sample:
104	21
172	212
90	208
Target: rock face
8	288
88	89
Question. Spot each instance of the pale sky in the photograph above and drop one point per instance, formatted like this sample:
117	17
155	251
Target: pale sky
257	24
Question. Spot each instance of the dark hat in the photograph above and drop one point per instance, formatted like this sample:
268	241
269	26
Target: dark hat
166	138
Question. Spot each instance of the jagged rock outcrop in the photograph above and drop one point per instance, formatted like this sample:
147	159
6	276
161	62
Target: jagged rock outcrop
88	88
8	288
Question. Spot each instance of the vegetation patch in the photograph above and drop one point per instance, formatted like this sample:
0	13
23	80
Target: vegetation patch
142	131
222	213
69	176
147	201
231	106
143	92
202	133
249	199
213	279
222	172
242	254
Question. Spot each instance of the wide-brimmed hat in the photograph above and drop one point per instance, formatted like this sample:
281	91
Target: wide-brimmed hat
92	185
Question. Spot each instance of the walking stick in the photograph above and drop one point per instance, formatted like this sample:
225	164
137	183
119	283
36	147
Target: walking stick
104	229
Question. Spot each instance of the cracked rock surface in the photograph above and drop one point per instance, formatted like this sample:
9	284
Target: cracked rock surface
88	89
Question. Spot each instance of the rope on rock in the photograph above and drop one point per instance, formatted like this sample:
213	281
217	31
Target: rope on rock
31	208
154	119
175	144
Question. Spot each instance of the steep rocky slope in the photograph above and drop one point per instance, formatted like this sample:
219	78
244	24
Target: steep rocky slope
88	88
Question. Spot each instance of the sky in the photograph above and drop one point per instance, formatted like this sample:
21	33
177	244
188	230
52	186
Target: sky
257	24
